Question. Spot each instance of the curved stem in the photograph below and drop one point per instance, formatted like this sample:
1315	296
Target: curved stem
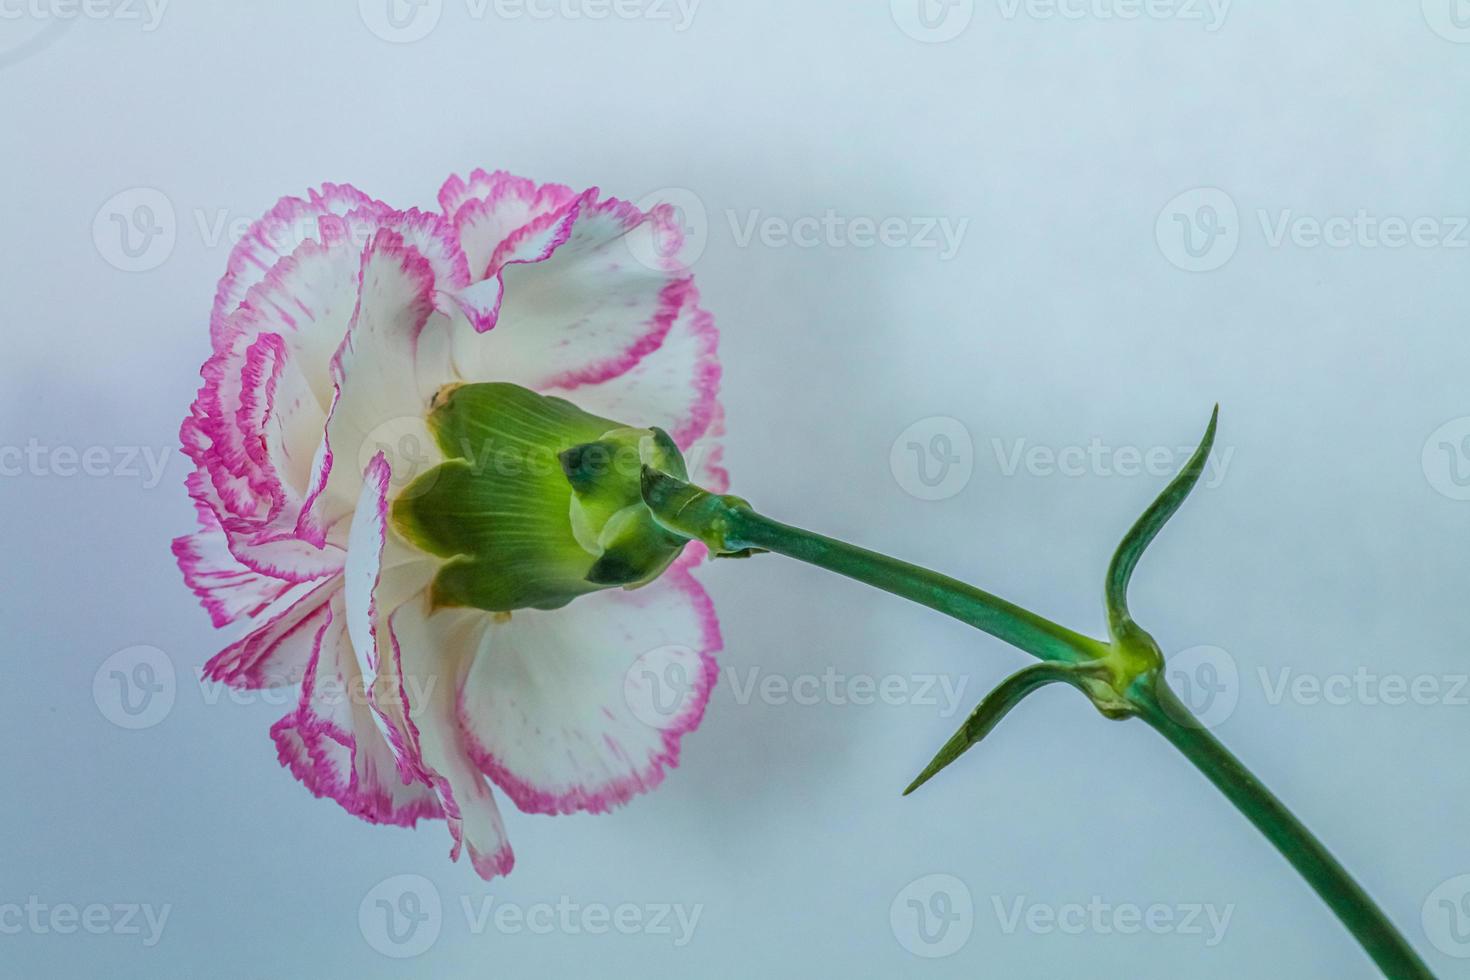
1168	716
991	614
730	526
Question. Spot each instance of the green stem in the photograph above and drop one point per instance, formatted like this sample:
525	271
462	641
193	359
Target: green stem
1019	627
729	525
1168	716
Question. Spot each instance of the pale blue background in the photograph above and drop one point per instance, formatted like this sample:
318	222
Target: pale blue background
1326	549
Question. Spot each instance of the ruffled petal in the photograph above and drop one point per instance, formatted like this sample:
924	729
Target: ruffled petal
433	653
584	707
276	653
384	379
227	589
332	744
411	672
488	207
278	234
574	306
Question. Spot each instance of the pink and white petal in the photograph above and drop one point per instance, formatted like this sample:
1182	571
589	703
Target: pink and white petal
248	520
276	653
411	672
675	387
227	589
578	307
382	573
332	743
433	653
382	379
427	233
307	297
535	241
277	234
486	209
584	707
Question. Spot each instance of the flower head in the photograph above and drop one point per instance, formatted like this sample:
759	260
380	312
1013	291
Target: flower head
368	365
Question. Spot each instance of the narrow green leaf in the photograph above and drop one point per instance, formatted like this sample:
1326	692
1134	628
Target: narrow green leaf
996	705
1125	559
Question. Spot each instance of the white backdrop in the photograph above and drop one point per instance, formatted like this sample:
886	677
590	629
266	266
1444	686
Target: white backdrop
1040	239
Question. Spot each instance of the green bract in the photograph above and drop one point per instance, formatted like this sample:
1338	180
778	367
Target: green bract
538	502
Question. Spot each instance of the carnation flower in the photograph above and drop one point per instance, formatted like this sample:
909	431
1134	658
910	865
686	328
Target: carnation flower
389	520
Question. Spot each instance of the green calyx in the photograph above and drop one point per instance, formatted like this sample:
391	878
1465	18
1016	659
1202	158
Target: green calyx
538	501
